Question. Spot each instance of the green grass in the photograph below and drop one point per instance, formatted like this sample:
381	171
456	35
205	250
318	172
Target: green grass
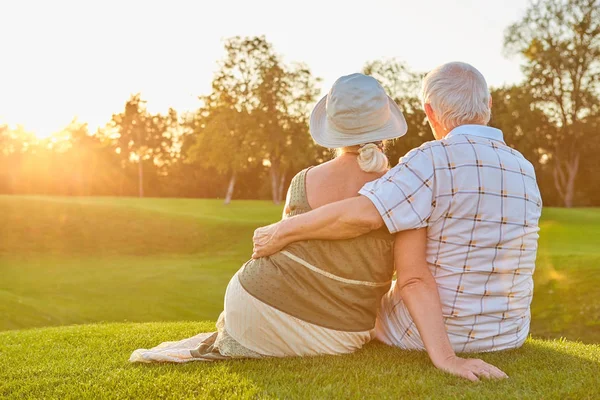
70	261
79	260
566	301
90	361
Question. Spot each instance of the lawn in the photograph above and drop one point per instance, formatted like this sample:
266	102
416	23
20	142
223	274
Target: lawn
116	261
90	361
79	260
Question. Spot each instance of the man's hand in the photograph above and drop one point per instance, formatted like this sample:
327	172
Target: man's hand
266	241
344	219
471	369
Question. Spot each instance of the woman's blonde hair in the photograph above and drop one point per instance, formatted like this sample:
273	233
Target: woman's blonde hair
371	157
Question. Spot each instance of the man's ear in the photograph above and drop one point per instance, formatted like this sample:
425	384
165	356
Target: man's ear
490	102
430	114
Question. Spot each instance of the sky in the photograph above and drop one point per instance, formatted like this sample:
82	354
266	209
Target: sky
63	59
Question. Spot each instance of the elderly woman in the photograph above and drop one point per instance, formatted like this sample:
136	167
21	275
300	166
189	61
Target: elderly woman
314	297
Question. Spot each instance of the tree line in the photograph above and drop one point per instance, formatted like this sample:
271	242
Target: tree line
250	135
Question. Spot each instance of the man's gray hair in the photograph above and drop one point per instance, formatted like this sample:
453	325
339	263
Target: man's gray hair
458	94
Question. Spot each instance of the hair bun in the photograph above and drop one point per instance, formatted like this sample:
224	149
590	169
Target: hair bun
371	158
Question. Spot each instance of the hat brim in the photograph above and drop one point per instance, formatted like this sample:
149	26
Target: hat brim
328	136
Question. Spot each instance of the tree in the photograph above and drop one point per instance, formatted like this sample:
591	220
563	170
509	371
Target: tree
89	166
560	43
285	96
16	147
257	113
403	86
590	192
143	137
223	126
526	128
222	142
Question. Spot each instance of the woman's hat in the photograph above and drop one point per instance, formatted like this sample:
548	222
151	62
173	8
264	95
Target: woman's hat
355	111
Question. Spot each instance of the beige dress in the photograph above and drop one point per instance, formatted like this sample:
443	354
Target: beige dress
313	297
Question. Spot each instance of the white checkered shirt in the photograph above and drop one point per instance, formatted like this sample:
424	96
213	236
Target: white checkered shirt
481	204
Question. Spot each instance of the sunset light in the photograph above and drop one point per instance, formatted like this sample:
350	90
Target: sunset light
303	199
93	55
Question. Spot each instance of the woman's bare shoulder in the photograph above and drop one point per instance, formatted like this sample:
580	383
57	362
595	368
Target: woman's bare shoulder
342	173
334	181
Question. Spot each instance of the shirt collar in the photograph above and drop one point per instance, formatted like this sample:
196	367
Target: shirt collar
478	130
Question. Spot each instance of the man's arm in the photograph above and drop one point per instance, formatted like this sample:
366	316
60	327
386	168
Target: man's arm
341	220
402	199
419	292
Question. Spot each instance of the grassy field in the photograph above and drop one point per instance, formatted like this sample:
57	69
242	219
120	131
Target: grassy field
90	361
70	261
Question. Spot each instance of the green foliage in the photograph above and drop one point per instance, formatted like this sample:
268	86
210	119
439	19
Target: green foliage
71	163
223	141
403	86
526	129
256	113
137	134
560	43
560	40
141	137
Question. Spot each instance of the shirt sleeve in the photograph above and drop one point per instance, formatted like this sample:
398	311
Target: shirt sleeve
404	195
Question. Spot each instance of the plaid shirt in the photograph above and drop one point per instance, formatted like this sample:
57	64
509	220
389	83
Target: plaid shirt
481	204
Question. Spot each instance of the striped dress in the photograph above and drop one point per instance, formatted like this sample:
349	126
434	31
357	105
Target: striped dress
313	297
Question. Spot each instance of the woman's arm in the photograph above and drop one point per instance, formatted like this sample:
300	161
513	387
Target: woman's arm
419	292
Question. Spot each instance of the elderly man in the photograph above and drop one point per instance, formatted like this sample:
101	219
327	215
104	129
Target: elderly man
479	202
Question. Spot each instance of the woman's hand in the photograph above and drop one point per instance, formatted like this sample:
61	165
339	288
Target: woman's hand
471	368
267	241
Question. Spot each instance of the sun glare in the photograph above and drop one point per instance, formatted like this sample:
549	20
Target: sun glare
44	97
43	134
